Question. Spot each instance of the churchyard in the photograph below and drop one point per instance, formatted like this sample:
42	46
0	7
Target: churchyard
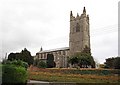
71	75
82	75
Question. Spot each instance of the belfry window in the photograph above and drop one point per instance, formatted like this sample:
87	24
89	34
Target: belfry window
77	27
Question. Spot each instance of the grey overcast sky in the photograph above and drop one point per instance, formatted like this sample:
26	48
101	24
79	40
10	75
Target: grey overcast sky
34	23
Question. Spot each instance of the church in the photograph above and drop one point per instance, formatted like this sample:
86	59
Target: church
79	39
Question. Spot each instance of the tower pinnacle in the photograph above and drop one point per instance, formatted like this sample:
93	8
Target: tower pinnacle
84	10
71	13
77	15
41	49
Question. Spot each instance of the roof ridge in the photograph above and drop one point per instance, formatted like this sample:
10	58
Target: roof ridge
51	50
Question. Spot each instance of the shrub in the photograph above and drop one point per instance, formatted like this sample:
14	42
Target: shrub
41	64
20	63
14	72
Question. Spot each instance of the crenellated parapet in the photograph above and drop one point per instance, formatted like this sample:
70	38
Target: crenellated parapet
79	17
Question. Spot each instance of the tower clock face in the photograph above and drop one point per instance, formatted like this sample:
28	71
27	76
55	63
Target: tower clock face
77	27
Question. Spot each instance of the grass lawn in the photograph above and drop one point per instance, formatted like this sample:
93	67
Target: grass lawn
61	75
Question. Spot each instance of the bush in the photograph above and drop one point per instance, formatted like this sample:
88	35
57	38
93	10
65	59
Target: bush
41	64
20	63
14	72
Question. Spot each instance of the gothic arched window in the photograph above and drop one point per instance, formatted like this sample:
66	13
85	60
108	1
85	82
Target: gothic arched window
77	27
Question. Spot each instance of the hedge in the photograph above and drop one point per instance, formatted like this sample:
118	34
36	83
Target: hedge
12	74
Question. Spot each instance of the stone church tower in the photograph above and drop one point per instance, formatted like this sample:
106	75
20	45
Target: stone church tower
79	41
79	37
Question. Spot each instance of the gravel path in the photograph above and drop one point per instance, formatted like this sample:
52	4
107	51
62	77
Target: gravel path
34	82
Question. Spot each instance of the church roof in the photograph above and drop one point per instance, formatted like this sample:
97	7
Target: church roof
53	50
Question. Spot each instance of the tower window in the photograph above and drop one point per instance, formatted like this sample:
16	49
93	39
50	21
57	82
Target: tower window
77	27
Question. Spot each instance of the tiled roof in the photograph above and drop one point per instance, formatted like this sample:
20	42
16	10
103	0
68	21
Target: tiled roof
52	50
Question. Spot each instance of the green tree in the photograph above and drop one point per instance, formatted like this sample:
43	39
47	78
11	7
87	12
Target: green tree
82	60
24	55
117	63
113	63
85	59
109	63
73	60
50	61
11	56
